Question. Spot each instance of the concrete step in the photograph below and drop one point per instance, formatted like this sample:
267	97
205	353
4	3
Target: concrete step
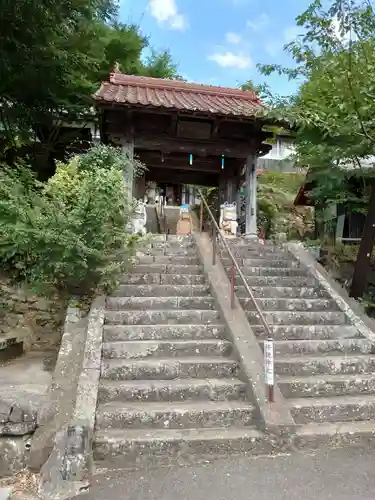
278	281
299	318
126	448
167	269
335	409
327	385
258	262
169	238
162	291
333	434
179	415
176	317
192	389
143	349
283	292
307	332
168	259
287	272
243	252
169	368
159	303
320	365
270	304
115	333
319	347
163	279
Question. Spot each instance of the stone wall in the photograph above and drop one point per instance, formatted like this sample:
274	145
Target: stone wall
34	319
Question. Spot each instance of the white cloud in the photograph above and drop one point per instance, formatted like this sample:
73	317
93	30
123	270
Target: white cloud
259	22
233	37
231	60
166	11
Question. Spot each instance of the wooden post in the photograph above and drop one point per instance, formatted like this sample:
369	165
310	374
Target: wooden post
251	197
201	217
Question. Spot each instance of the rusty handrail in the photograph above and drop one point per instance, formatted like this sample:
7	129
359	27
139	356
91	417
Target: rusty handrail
234	264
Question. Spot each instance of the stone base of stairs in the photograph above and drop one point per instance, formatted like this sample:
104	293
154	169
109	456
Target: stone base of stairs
132	449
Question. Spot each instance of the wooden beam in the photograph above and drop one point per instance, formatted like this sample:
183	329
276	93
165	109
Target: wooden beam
161	175
231	149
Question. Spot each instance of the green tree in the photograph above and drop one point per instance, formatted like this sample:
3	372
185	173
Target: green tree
53	56
335	107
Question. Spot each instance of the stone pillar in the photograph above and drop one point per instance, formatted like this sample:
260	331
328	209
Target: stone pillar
128	148
251	198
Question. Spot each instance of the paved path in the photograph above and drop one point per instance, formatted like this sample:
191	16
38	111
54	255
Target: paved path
334	475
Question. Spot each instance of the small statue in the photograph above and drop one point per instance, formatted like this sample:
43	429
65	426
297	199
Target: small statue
228	219
139	218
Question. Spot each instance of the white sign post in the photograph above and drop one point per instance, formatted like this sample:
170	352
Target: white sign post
269	368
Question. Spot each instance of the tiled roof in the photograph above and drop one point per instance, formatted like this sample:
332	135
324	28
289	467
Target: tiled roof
177	95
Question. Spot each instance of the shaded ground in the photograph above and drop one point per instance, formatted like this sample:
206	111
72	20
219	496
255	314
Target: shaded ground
345	474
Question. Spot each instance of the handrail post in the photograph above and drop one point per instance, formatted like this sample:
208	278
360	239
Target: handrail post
213	245
232	286
201	217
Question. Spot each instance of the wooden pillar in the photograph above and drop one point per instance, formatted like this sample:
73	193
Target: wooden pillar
251	198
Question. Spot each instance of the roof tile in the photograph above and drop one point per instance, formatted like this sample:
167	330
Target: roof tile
178	95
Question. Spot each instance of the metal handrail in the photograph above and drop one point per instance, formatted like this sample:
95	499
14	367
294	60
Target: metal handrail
234	263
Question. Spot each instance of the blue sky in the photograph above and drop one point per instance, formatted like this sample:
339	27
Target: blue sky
219	42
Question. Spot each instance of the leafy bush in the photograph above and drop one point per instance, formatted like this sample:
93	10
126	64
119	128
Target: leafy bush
69	234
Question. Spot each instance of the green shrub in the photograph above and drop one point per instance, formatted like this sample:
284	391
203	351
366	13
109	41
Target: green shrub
69	234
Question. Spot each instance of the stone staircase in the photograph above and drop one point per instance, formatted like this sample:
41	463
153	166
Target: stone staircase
170	387
324	366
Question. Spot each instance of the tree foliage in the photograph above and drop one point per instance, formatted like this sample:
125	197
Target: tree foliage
334	109
53	56
69	234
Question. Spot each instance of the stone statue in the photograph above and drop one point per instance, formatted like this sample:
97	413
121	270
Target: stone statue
139	218
228	219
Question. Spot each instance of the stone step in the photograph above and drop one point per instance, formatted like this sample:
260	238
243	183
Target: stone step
163	279
162	291
143	349
167	259
278	281
257	262
312	346
320	365
268	304
161	250
335	409
287	272
176	317
180	415
114	333
283	292
125	448
159	303
333	434
169	238
299	318
192	389
167	269
307	332
327	385
169	368
243	252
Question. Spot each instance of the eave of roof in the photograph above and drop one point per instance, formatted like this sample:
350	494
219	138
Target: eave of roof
129	90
